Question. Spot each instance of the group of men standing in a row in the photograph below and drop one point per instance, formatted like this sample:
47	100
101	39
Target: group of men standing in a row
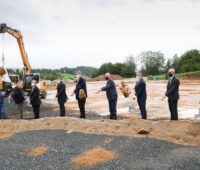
18	96
80	92
172	93
80	97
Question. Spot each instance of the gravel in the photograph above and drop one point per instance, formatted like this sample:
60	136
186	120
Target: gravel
135	153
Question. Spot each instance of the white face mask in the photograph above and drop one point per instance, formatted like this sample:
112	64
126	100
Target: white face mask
138	78
78	76
33	84
13	86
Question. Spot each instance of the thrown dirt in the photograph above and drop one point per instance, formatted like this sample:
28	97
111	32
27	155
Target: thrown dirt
93	157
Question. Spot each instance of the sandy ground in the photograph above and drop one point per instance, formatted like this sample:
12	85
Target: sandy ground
157	109
158	126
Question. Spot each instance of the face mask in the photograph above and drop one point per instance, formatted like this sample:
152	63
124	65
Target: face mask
78	76
138	77
106	78
33	84
170	75
13	86
58	81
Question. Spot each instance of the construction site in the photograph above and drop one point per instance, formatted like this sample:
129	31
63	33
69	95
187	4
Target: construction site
122	134
53	141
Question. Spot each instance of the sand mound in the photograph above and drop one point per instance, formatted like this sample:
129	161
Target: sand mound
102	78
5	136
93	157
37	151
184	132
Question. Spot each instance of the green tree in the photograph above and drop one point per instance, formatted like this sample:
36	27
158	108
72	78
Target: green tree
129	67
168	65
190	61
152	62
176	62
106	67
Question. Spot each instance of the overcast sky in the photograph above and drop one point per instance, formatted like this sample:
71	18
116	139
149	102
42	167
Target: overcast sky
60	33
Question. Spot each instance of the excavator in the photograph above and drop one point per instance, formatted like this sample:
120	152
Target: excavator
28	76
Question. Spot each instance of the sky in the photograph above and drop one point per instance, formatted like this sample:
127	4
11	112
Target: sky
60	33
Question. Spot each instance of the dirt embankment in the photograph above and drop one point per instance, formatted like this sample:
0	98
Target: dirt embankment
181	132
102	78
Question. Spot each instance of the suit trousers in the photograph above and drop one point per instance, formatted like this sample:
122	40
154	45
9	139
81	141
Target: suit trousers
113	109
81	104
36	110
142	106
20	110
173	109
62	109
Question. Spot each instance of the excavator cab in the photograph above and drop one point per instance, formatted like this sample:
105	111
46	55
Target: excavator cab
14	78
2	27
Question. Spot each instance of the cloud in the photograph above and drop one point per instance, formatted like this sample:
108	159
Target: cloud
102	3
91	32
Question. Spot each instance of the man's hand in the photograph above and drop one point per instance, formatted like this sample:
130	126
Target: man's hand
163	98
98	91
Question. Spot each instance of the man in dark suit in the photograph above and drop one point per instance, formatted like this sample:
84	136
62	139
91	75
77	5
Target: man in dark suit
173	93
81	87
35	99
141	94
112	96
61	95
18	97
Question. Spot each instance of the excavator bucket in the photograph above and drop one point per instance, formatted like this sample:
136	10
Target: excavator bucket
2	27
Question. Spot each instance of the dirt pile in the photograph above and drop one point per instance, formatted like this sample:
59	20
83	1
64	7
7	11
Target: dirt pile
102	78
37	151
182	132
5	136
93	157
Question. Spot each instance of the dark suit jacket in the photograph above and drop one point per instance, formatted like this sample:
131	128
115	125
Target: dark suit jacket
140	90
35	96
173	89
110	89
17	95
81	84
61	93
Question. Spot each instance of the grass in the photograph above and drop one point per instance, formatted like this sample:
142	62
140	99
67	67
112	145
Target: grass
163	76
67	76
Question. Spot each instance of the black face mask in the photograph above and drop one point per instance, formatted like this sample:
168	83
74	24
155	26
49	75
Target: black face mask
106	78
170	75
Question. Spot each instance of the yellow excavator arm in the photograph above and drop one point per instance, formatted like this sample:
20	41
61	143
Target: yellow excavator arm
18	35
27	68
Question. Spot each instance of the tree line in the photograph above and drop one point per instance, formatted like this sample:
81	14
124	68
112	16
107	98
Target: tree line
51	74
149	62
152	63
